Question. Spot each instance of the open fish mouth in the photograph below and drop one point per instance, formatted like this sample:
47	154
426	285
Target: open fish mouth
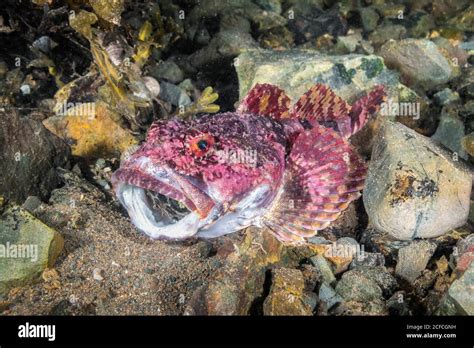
162	203
167	207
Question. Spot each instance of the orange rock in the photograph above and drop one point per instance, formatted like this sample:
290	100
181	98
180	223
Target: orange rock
91	131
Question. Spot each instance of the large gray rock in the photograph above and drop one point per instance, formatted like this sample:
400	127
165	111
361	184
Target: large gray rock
296	71
413	188
419	61
29	154
27	248
350	76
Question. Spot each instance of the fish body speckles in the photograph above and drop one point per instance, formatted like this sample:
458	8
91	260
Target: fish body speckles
289	168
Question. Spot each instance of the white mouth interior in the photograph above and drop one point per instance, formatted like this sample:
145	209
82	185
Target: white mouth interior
150	222
247	212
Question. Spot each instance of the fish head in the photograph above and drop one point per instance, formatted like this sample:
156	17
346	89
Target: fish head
195	178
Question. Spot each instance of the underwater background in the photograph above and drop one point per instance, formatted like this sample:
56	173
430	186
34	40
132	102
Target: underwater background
81	82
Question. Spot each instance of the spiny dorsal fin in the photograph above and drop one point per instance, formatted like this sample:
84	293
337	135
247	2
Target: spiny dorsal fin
266	100
364	107
320	104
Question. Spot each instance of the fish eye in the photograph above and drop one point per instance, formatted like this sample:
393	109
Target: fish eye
201	144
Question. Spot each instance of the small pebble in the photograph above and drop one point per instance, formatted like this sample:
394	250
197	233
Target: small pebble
100	163
97	273
73	299
25	89
31	203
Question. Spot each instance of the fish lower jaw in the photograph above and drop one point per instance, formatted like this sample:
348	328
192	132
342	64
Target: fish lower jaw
217	223
147	220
